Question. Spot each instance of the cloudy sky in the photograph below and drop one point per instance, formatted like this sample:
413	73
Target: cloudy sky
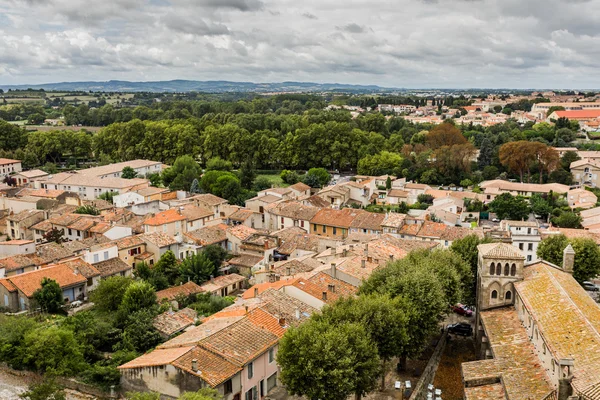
401	43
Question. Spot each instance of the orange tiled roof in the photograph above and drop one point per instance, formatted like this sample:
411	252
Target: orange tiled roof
338	218
243	341
157	357
212	368
29	282
567	318
164	217
515	360
248	294
342	289
221	282
171	293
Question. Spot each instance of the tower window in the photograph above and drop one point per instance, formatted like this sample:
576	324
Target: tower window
492	268
506	269
508	295
494	294
499	269
513	270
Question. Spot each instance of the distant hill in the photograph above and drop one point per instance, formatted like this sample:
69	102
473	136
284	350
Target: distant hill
201	86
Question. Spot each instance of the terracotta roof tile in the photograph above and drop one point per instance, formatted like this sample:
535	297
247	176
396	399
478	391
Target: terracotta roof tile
171	322
499	250
338	218
29	282
164	217
300	187
208	235
261	287
243	341
157	357
193	213
185	289
112	266
294	210
158	239
241	232
212	368
221	282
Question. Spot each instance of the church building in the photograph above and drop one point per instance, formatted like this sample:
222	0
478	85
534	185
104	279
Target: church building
537	330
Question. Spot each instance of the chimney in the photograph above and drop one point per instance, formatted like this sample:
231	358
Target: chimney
331	287
255	292
246	307
333	270
297	313
363	263
76	271
391	257
568	259
288	271
282	321
324	297
194	365
366	250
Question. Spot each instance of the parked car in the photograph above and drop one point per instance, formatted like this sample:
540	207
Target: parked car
76	303
495	220
461	309
590	286
462	328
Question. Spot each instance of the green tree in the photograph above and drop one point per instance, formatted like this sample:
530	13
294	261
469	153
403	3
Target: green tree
384	163
507	206
215	254
261	183
46	390
540	206
155	179
587	255
322	361
466	248
181	175
568	158
486	153
128	173
197	268
247	174
218	164
108	296
55	235
13	330
36	118
167	266
87	209
415	281
384	318
388	183
139	333
138	296
53	350
289	177
49	297
587	259
320	176
567	219
108	196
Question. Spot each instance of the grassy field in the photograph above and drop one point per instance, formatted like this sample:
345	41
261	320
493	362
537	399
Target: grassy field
275	179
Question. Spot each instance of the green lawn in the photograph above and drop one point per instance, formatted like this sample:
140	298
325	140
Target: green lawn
275	179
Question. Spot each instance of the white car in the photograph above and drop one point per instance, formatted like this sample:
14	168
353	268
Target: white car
76	303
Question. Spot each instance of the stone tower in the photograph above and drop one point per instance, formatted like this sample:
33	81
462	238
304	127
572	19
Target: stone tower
499	266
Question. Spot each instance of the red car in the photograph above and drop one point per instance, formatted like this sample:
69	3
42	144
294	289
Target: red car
462	310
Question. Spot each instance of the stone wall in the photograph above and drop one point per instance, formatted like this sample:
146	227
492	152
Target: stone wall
420	389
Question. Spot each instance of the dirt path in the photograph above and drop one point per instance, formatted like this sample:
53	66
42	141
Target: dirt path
11	386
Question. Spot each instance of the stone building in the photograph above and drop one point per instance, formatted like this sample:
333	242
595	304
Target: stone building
537	331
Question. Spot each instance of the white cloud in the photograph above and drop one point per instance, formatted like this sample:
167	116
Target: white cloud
427	43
